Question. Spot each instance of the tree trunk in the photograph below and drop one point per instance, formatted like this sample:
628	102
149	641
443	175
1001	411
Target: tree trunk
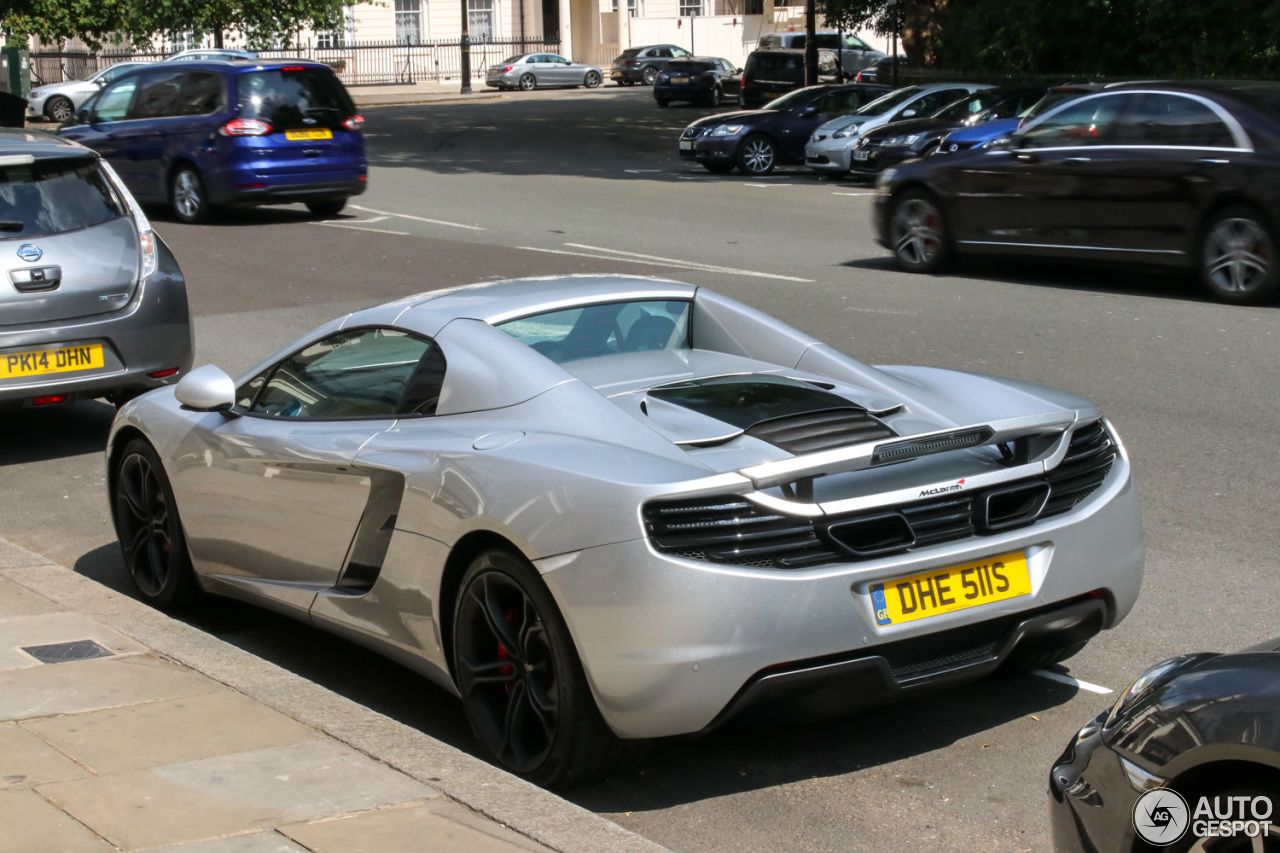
922	21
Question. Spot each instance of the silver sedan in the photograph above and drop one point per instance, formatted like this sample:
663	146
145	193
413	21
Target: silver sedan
57	101
541	69
602	509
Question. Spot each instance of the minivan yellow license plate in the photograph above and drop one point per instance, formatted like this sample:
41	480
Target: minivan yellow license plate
302	135
41	361
949	589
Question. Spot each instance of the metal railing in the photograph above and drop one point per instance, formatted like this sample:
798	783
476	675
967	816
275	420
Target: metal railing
356	64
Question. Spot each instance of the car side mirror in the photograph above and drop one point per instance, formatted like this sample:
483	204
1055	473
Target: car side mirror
811	110
206	389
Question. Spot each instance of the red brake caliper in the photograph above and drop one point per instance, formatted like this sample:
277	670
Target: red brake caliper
507	669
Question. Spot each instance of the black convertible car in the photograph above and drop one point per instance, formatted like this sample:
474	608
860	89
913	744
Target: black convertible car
1168	174
1187	759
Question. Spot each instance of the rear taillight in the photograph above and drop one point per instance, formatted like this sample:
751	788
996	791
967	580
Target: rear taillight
245	127
743	82
507	68
147	246
161	374
633	62
49	400
354	123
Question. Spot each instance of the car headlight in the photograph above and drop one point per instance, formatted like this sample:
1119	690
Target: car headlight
1145	683
900	141
727	130
846	131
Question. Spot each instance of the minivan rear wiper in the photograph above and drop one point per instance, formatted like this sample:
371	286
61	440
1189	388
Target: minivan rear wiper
11	225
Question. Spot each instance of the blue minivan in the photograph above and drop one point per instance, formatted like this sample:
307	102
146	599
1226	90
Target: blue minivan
201	135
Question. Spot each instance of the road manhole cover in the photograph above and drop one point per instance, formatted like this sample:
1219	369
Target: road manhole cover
64	652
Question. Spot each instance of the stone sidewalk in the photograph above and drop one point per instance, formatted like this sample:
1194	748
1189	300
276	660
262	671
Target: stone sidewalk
420	93
122	729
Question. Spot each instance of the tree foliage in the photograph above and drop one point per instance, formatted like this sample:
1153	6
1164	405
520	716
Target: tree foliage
262	22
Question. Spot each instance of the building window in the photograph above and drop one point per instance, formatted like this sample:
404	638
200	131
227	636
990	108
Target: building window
175	42
753	7
342	37
408	21
690	8
633	7
480	20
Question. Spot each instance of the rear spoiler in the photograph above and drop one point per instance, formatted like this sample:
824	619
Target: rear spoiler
875	454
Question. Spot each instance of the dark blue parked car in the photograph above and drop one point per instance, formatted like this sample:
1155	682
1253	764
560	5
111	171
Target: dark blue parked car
204	134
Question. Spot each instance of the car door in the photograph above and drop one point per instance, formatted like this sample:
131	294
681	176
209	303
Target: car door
276	494
108	129
730	80
1040	192
152	123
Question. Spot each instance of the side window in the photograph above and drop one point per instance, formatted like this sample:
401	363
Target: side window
1090	121
157	95
838	103
663	53
1168	119
113	104
553	57
201	93
679	51
361	373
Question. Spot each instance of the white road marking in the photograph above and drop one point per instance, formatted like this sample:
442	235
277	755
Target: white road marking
691	264
358	228
767	186
374	219
418	218
673	264
1074	682
640	171
854	194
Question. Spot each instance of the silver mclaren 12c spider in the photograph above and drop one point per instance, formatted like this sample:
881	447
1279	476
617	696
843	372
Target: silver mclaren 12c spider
603	509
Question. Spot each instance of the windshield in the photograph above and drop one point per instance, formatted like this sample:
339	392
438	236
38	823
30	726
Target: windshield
599	330
880	106
53	196
686	67
791	100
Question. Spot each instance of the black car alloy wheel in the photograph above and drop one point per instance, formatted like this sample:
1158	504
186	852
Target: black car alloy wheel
523	688
1238	261
917	232
757	155
147	524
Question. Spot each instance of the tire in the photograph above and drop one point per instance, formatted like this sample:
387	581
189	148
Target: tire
535	714
918	232
1237	261
187	196
592	80
649	75
718	168
328	207
149	530
714	97
757	155
662	102
58	109
528	83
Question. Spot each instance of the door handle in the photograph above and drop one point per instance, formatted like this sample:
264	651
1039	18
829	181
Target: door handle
1026	157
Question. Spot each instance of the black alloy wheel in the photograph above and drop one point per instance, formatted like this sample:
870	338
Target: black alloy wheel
327	207
918	232
757	155
149	530
523	688
714	97
592	80
58	108
649	75
528	83
1237	257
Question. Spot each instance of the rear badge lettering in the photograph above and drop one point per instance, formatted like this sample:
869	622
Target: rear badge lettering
942	490
30	252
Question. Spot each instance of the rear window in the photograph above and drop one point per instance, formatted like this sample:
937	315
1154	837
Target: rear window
774	64
51	197
599	330
286	97
689	67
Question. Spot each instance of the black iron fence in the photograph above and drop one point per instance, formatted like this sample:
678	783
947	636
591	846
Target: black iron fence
913	75
357	64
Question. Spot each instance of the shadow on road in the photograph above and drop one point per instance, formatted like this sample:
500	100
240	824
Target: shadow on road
741	758
54	432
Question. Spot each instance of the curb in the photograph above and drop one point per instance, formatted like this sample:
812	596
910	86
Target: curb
366	102
510	801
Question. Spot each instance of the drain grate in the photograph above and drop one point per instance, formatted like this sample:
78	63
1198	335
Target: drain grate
64	652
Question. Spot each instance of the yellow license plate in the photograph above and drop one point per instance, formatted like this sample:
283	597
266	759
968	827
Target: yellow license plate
38	362
299	135
679	79
950	589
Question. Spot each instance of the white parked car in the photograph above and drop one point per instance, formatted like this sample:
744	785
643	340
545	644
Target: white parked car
57	101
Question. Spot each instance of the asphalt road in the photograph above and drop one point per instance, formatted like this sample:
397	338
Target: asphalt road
590	182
